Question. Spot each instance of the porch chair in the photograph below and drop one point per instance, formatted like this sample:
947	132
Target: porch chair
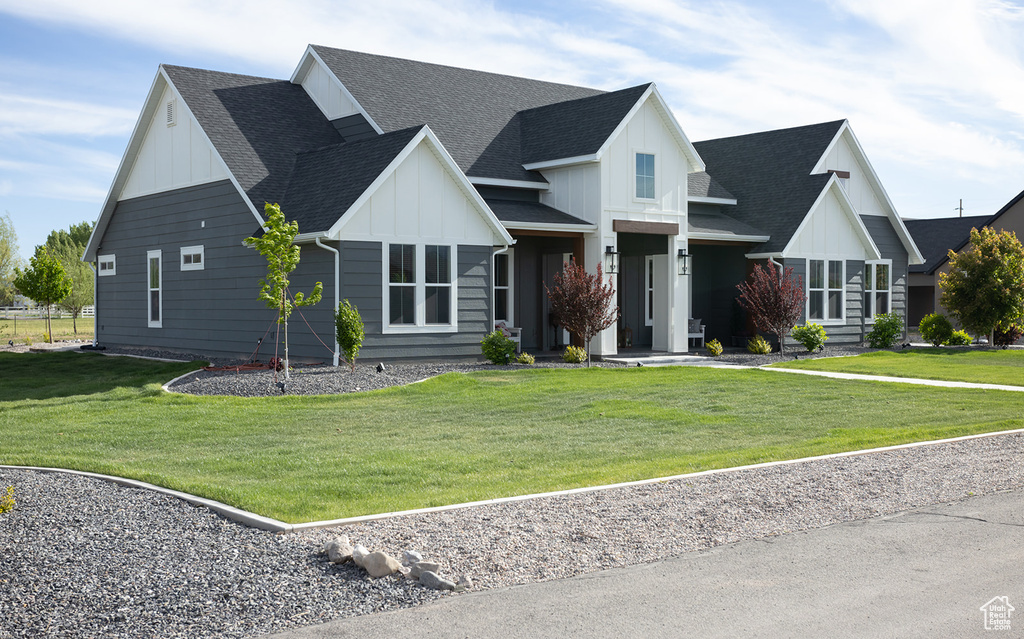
696	331
514	333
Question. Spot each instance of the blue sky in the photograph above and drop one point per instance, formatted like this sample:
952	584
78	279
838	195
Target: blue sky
934	89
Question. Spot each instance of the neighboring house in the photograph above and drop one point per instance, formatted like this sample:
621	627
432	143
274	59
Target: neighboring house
441	200
938	236
808	198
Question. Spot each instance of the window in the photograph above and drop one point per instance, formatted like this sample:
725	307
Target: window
503	287
825	294
106	265
192	258
645	176
877	288
421	288
153	259
649	299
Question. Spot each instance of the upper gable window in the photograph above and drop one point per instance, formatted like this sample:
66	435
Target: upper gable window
645	176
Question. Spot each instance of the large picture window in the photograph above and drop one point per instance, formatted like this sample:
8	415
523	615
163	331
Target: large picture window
825	290
420	294
877	288
154	276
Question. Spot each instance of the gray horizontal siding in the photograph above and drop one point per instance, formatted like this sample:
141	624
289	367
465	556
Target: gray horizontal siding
891	248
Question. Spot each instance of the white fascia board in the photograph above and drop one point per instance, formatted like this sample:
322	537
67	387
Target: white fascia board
551	164
851	213
544	226
311	56
694	199
424	135
696	163
763	256
725	237
514	184
913	253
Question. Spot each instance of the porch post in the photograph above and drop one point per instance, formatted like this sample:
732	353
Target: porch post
679	310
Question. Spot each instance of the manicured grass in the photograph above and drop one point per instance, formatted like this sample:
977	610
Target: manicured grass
22	329
465	437
951	364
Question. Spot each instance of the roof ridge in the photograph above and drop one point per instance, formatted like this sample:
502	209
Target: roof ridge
375	138
836	123
606	94
221	73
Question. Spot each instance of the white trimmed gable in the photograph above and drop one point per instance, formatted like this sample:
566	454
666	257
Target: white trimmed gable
832	229
422	197
326	90
174	152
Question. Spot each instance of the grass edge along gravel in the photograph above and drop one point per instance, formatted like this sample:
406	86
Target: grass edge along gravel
517	432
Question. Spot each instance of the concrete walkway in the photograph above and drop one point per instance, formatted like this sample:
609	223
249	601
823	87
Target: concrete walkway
899	380
922	573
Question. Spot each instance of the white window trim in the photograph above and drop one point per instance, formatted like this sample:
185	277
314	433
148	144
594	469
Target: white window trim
510	311
193	250
103	259
159	323
421	291
657	173
648	289
826	320
869	293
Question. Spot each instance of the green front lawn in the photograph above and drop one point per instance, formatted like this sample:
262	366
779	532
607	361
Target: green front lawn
457	437
950	364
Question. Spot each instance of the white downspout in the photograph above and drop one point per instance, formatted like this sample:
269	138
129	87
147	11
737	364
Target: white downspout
95	306
337	292
773	262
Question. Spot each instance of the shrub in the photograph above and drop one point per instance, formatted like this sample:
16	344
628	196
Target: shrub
812	336
7	500
525	358
497	348
887	330
759	346
959	338
574	355
1004	336
936	329
349	328
714	348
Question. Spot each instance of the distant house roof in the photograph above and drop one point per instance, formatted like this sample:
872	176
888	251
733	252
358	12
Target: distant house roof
769	174
472	112
937	236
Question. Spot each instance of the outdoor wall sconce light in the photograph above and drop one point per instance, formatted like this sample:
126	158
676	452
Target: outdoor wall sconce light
611	260
683	261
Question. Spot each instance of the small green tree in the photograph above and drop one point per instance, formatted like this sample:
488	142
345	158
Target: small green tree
350	331
985	285
68	247
44	283
277	245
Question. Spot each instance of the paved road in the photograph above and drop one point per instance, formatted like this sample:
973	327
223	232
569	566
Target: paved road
923	573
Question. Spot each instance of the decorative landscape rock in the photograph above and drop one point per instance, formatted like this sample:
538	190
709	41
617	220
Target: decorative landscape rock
379	564
421	567
339	550
358	554
409	557
430	579
465	583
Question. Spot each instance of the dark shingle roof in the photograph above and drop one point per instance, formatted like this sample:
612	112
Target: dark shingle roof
327	181
257	125
472	112
700	184
722	225
936	236
769	175
511	211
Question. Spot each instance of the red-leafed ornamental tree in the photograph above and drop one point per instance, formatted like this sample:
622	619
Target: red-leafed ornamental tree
582	302
774	299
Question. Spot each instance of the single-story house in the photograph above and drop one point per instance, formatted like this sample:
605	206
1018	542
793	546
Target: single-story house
936	237
441	201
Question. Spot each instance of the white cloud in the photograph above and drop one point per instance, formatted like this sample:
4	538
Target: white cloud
20	114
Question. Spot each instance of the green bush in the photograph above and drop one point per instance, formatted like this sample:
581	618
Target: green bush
348	326
525	358
812	336
714	348
759	346
7	500
959	338
886	332
1006	335
935	328
497	348
574	355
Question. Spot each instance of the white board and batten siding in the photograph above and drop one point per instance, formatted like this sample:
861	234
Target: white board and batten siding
828	233
419	202
326	92
575	190
859	188
174	153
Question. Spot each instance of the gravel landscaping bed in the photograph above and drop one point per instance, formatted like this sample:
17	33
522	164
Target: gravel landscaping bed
87	558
